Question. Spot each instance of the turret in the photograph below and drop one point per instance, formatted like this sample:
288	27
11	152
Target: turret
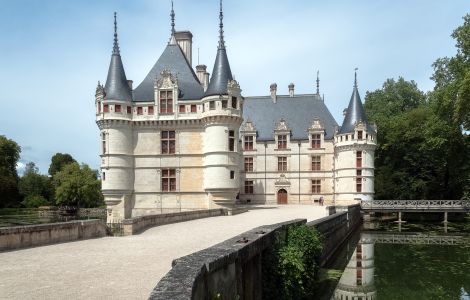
114	105
222	117
355	144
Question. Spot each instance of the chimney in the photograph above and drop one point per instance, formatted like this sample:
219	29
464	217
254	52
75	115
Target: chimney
273	88
206	81
291	90
185	41
129	83
202	75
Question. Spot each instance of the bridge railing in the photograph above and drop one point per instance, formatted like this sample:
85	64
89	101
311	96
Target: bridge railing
416	204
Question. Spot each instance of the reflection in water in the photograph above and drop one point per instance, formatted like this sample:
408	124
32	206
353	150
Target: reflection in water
357	281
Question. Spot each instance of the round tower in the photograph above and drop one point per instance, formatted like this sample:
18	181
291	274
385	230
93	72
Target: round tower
222	117
354	147
113	117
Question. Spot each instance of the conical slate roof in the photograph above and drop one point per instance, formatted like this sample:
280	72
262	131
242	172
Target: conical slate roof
355	112
116	87
221	74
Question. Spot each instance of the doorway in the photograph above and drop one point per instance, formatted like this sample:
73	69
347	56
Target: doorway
282	196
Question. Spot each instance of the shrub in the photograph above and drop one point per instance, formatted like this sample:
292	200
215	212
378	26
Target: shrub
33	201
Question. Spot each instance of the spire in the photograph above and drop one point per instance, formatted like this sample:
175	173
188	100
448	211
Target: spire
355	112
117	87
115	45
221	74
318	82
172	15
221	28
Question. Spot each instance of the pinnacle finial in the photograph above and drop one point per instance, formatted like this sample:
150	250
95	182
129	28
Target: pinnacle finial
172	19
318	82
355	77
115	45
221	28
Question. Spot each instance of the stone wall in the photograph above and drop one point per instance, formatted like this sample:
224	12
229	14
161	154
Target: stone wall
137	224
37	235
233	267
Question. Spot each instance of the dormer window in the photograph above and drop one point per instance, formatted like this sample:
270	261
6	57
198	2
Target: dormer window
282	141
248	142
166	102
359	135
316	141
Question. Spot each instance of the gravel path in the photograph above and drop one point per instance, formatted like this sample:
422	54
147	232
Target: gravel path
125	267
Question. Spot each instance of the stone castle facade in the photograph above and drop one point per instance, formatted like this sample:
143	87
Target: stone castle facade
180	141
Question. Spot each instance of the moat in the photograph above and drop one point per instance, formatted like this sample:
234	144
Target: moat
387	260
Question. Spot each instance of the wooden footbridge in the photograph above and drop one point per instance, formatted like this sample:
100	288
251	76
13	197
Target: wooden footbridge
425	206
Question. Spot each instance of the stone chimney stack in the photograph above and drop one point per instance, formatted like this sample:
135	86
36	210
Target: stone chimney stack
291	90
202	75
273	88
185	41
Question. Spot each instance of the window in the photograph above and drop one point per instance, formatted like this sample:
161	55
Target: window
316	141
282	163
193	108
248	164
282	141
249	187
106	108
182	108
248	145
98	107
104	176
231	140
168	180
359	184
234	102
358	159
359	135
168	142
129	110
150	110
232	174
139	110
224	103
316	186
166	102
316	163
358	172
103	142
211	105
117	108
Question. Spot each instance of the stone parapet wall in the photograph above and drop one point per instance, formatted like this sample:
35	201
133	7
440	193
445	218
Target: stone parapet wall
233	268
36	235
137	224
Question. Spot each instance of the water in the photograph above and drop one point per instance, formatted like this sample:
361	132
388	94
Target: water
423	261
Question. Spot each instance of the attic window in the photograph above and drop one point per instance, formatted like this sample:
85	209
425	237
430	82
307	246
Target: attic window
117	108
193	108
282	141
224	103
139	110
150	110
316	141
166	102
359	135
211	105
106	108
129	110
234	102
182	108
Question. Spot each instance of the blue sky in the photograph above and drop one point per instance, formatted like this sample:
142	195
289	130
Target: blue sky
53	53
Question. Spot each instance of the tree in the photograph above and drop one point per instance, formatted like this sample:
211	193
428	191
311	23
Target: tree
77	186
58	161
36	189
9	156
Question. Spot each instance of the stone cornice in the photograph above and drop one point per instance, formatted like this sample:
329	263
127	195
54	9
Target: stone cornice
222	119
341	148
107	123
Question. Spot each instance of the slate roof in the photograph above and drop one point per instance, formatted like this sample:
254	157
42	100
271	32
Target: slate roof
354	114
298	111
171	59
221	74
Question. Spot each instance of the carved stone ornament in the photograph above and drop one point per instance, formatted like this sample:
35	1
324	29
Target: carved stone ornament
282	180
248	126
99	89
232	85
360	125
316	125
166	80
282	125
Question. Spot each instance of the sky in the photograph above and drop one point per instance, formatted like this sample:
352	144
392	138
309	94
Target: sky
53	53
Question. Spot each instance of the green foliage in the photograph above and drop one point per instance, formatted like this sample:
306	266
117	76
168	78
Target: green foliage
9	156
34	185
34	201
290	270
77	186
58	161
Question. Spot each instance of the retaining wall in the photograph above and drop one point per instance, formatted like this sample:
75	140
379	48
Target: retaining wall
43	234
233	267
137	224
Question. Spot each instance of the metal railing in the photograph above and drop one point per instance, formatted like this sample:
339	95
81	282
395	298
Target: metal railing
418	239
461	205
